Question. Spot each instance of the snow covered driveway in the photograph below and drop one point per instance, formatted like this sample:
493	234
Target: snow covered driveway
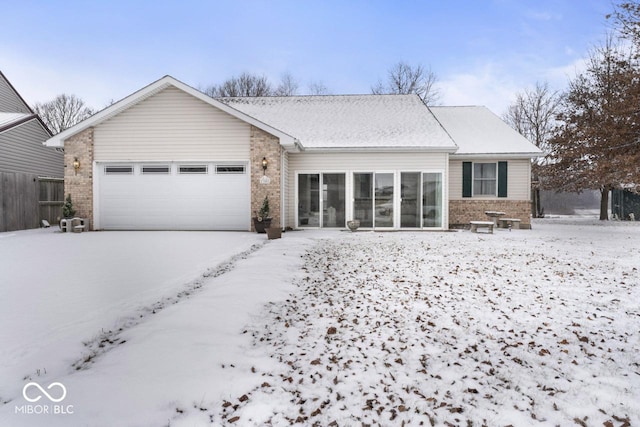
524	328
59	290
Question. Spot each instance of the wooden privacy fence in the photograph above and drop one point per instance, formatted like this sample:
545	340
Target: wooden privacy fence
51	199
26	199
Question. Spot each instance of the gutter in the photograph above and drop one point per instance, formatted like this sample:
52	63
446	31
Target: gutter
405	149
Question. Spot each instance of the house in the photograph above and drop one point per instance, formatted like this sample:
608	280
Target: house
171	157
30	172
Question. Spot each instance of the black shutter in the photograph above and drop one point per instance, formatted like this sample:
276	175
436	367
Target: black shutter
466	179
502	179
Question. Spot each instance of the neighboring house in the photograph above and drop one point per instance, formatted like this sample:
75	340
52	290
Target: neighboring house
171	157
21	135
29	192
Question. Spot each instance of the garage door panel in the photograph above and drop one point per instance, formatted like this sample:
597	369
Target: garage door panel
174	201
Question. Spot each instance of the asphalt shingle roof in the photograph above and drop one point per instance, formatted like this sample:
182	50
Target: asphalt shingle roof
476	130
350	121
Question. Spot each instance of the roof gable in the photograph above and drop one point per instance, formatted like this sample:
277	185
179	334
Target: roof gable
379	122
10	99
478	131
152	89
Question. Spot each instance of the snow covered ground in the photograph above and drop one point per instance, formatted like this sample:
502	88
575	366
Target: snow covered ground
535	327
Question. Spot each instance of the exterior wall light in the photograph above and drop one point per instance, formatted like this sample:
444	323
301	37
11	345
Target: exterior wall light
265	163
76	164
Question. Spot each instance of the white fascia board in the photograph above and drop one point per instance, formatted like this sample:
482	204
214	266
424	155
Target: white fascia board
152	89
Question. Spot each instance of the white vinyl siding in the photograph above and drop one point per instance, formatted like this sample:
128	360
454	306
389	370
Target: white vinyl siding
172	125
21	150
358	162
518	178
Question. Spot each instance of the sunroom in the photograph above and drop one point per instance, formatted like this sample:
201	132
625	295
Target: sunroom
380	199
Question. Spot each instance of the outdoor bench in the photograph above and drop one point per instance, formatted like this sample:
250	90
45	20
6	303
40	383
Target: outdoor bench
481	224
509	223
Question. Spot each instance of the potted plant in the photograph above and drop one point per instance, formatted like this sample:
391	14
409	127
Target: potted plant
67	209
262	221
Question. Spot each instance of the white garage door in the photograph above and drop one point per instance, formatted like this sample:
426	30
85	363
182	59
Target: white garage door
173	196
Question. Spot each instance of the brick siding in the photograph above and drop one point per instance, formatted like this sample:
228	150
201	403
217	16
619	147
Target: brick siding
80	183
264	145
461	212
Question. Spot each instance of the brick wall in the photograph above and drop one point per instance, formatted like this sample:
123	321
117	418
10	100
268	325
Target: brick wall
463	211
264	145
80	183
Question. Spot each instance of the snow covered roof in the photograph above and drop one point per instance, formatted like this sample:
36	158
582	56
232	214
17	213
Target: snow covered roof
7	119
12	120
350	121
478	131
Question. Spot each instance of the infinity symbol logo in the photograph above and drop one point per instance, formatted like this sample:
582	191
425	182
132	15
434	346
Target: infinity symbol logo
43	391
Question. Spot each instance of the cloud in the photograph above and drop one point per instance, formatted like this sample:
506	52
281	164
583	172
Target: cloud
495	84
487	85
559	76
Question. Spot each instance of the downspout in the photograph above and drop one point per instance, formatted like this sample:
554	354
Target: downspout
283	189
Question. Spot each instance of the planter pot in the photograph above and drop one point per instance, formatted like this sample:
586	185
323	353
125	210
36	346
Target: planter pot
274	233
353	225
261	226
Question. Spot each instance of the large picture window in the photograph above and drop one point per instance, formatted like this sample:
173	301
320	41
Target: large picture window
485	179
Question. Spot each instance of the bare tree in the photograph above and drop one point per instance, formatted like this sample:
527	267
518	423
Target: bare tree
317	88
626	16
63	112
245	84
404	79
533	114
288	86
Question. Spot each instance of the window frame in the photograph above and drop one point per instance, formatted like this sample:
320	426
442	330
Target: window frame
166	171
230	172
199	166
130	171
473	180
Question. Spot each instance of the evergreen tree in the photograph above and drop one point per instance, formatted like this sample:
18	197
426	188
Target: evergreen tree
67	209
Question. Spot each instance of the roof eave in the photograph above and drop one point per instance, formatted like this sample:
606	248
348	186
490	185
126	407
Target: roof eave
387	149
513	155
